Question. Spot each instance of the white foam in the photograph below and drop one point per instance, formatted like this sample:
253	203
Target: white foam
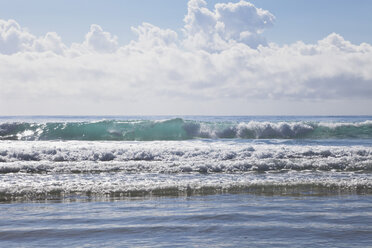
178	157
45	168
43	185
342	124
270	129
26	135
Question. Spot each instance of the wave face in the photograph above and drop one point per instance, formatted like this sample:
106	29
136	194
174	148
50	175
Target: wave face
179	129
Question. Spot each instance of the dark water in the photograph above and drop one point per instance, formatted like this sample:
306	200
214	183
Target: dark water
190	181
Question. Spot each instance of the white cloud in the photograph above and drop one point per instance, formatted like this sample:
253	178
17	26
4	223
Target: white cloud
98	40
150	36
13	38
226	24
212	70
50	42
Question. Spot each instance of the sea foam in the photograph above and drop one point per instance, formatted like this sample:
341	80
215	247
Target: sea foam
177	157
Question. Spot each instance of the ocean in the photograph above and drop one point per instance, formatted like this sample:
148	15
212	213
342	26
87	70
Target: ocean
186	181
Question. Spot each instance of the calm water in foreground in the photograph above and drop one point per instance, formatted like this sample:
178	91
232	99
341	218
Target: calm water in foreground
228	220
186	181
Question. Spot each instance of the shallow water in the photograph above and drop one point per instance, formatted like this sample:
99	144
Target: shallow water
227	220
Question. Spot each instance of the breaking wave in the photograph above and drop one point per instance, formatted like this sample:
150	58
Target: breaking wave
179	129
174	157
31	170
20	187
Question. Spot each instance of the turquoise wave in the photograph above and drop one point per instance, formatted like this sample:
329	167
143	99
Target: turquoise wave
179	129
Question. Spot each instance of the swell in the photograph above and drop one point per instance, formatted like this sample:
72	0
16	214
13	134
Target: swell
179	129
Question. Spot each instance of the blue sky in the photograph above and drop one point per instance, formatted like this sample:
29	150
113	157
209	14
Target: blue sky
168	57
295	19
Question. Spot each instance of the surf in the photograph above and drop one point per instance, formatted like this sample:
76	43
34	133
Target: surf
180	129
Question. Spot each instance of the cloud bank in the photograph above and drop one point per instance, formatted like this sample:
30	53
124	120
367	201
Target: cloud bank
219	58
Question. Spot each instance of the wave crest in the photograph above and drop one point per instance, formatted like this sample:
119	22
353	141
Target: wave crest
179	129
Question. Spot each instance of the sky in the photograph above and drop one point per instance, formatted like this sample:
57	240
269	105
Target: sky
196	57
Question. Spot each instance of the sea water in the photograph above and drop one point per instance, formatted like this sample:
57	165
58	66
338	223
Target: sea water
186	181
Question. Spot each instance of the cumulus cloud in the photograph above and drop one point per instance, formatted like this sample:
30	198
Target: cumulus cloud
50	42
227	23
150	36
15	39
98	40
220	59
